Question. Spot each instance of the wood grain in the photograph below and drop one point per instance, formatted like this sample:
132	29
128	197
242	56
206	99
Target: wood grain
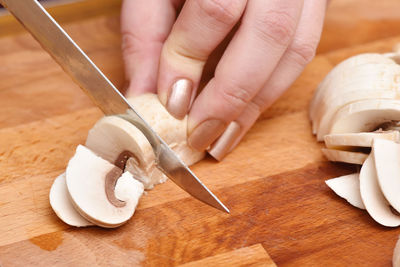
273	182
249	256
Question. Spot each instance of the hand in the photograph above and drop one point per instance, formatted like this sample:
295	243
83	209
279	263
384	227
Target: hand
273	42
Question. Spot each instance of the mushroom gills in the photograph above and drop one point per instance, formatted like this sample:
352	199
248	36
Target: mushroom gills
86	179
373	199
61	203
347	187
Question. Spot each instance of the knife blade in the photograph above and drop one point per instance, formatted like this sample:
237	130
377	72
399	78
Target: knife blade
103	93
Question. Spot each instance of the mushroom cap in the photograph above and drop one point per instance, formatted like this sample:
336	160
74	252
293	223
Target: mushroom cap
387	163
372	196
170	129
61	203
347	187
86	178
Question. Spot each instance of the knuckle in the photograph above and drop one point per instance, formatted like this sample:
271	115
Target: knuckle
181	52
129	43
224	11
276	26
235	96
304	50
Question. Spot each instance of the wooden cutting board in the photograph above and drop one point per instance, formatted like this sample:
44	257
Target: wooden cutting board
273	182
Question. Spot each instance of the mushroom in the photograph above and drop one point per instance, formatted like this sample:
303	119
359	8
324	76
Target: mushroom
372	197
105	179
99	191
387	163
364	139
121	143
396	254
344	156
171	130
363	116
347	187
61	203
359	77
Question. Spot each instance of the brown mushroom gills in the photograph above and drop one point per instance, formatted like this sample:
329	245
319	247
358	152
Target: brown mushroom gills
114	174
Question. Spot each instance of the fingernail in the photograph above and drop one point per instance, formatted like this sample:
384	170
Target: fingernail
205	133
179	99
223	145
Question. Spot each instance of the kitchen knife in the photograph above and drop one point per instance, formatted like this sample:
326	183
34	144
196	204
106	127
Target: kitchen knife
102	92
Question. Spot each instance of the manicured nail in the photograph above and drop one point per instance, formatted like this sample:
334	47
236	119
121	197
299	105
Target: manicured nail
205	133
223	145
179	99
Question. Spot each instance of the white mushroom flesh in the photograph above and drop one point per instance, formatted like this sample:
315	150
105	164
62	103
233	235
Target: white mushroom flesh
347	187
61	203
373	199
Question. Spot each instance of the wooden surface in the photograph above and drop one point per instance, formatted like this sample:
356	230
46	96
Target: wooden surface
273	182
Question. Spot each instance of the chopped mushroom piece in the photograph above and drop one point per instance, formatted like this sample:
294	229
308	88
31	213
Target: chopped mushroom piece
344	156
387	162
358	139
347	187
99	192
61	203
396	254
373	199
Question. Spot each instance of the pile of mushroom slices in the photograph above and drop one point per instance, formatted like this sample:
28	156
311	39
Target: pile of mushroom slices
106	177
355	111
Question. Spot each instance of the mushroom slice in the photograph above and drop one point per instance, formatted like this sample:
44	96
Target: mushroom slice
358	139
396	254
373	199
99	192
363	116
387	163
347	187
121	143
341	72
61	203
344	156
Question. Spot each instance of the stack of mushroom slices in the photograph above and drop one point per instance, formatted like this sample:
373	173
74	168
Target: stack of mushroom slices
105	179
355	111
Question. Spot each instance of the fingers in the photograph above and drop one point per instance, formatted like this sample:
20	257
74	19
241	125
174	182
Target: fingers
200	27
144	26
298	54
265	33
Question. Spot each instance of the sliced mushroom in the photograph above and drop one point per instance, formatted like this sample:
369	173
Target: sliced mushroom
387	163
99	192
347	187
344	156
356	75
373	198
363	116
120	142
396	254
358	139
61	203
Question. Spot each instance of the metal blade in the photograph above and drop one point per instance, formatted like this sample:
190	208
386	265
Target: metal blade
102	92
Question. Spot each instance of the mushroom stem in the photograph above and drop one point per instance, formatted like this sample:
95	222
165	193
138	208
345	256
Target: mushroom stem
110	182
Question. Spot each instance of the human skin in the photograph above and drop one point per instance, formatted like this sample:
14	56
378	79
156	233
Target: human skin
166	44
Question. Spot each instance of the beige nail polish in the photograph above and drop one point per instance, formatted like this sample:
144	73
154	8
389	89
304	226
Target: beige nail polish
205	133
179	98
223	145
